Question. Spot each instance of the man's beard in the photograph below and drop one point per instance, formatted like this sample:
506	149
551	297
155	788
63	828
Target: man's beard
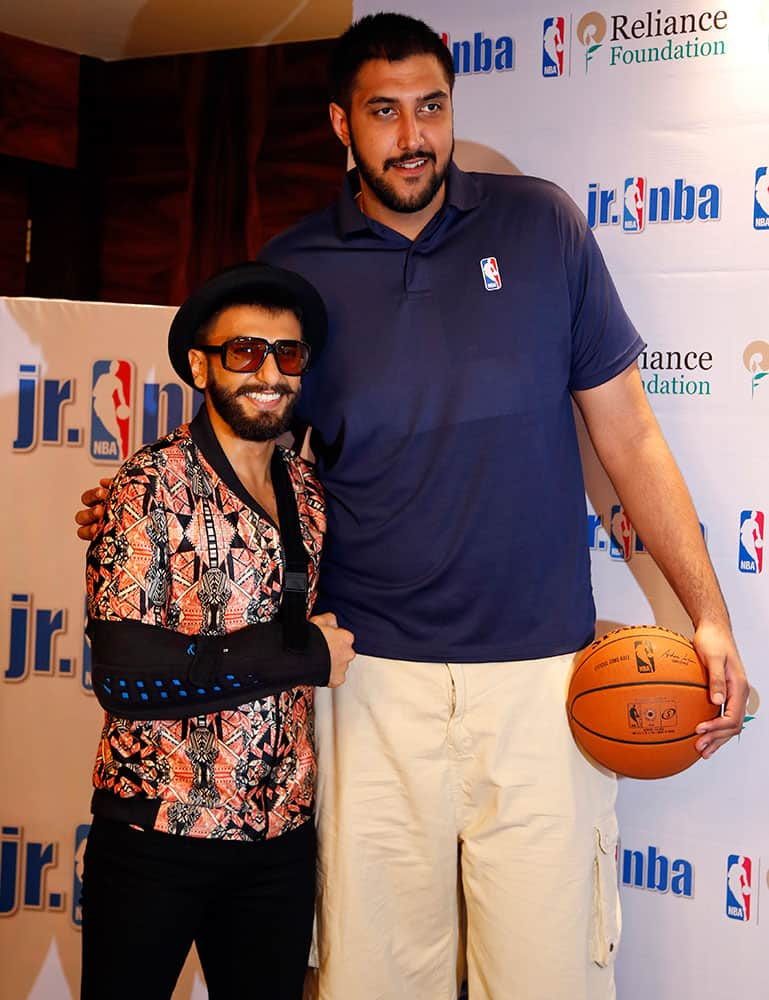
387	195
256	427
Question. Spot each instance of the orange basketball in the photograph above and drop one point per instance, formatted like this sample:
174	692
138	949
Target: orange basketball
635	698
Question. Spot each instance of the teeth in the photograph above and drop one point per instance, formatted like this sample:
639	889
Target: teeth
413	164
264	397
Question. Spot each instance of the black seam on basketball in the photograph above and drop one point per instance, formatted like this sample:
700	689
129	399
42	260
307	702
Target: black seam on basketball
633	684
633	743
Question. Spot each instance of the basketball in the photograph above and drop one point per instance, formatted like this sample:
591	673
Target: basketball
635	698
122	412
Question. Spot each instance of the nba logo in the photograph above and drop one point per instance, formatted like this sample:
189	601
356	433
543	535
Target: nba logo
620	534
738	887
633	209
751	558
644	656
761	203
81	835
552	46
491	276
111	395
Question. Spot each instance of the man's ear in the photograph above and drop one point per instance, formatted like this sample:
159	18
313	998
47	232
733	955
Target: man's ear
199	367
339	123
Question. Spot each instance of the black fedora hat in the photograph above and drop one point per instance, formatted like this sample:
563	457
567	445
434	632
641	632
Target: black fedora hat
246	284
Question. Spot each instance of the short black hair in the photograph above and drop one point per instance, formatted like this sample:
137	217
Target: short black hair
382	36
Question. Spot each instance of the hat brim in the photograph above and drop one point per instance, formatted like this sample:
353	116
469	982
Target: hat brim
250	284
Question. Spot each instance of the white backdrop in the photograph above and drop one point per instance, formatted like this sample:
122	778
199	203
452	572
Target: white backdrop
695	279
685	111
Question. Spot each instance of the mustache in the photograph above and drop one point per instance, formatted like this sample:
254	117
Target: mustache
281	388
420	154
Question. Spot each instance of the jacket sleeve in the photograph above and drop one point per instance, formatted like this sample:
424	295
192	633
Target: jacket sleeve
127	566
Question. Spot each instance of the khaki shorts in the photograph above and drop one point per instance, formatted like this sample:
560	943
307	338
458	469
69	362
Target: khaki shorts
461	831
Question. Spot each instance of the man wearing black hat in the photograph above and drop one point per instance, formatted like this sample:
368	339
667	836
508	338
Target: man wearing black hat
199	586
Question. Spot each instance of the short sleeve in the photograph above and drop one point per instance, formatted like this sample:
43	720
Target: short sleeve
604	340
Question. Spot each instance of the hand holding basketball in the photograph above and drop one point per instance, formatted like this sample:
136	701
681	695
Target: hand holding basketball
636	699
728	685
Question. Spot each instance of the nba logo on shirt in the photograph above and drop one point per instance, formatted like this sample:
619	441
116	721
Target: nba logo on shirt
738	887
81	835
491	276
761	203
552	46
633	210
751	541
111	395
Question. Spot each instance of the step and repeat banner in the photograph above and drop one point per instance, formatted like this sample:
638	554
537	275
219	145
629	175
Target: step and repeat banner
81	387
655	119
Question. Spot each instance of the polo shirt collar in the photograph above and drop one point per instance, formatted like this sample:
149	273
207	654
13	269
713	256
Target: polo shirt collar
463	194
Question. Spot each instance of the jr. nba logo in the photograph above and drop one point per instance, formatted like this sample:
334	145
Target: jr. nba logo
111	396
738	887
552	46
751	558
491	276
633	213
761	203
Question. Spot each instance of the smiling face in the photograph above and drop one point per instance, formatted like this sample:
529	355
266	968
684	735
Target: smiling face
399	128
255	406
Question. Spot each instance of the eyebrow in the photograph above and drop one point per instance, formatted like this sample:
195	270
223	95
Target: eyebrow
394	100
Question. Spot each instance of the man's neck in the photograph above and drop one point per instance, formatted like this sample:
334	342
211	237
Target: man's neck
250	460
408	224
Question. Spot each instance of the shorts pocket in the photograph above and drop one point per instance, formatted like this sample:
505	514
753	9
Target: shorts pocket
606	919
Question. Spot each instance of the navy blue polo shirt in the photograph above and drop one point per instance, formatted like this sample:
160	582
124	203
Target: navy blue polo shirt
446	439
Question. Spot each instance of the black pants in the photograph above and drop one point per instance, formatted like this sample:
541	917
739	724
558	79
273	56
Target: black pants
147	896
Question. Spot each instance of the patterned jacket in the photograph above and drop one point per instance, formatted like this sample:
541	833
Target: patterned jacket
184	547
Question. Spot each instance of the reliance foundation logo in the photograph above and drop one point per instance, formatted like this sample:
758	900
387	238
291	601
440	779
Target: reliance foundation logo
643	204
755	357
655	36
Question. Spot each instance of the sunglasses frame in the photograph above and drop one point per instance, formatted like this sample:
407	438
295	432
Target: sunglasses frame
270	348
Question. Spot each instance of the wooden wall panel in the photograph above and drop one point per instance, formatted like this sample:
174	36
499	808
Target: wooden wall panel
13	226
38	102
209	156
174	166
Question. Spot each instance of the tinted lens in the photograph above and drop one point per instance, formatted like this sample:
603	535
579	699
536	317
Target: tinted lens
291	356
245	355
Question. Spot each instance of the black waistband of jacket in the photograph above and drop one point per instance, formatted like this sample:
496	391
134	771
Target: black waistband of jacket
137	809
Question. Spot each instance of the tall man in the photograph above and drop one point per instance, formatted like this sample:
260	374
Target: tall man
466	312
198	589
